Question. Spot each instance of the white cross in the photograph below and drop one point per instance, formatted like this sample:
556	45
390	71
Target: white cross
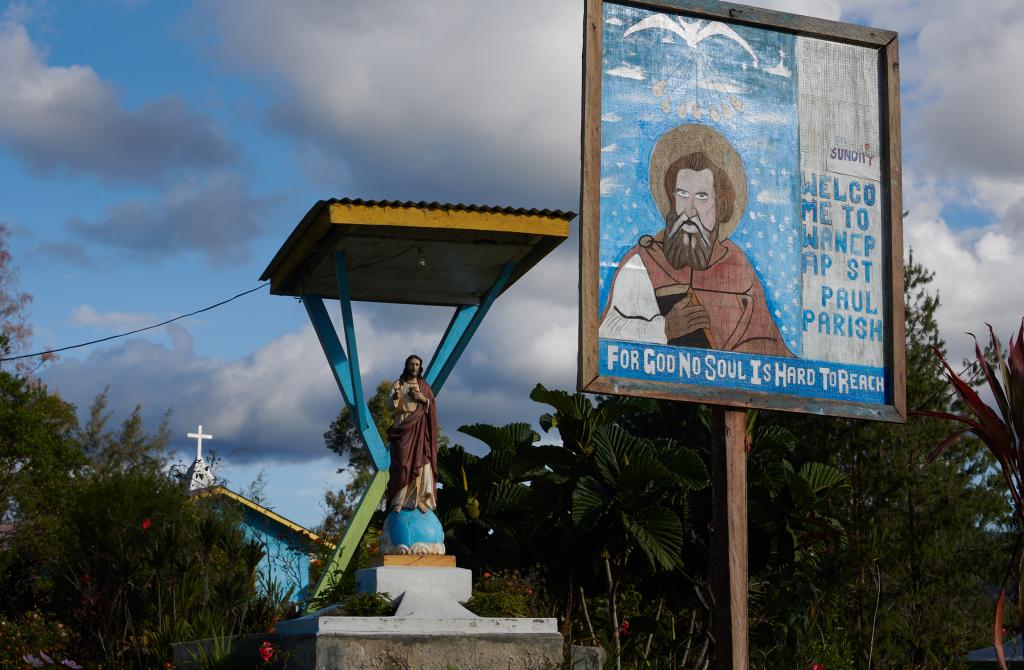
199	441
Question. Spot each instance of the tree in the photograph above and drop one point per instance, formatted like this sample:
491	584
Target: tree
904	595
343	438
481	500
14	329
39	459
100	542
128	447
1001	432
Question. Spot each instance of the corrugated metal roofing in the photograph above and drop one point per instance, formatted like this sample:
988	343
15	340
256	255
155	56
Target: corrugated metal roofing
487	209
307	220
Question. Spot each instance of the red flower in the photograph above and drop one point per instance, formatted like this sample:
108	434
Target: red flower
817	666
168	665
487	575
146	523
624	628
266	651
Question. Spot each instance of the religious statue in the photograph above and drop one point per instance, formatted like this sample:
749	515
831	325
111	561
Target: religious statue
689	285
413	440
411	526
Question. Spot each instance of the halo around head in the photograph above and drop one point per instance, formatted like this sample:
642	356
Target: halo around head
687	139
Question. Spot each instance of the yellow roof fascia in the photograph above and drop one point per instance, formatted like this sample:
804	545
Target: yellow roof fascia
442	218
270	514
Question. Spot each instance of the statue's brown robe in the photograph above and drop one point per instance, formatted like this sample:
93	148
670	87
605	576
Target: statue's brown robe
413	446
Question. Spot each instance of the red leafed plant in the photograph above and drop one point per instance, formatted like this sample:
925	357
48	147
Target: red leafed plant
1002	433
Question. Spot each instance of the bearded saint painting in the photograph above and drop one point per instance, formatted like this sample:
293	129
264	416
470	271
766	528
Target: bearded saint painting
688	285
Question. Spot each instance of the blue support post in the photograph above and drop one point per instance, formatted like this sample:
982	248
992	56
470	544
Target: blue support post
343	375
344	298
314	305
460	331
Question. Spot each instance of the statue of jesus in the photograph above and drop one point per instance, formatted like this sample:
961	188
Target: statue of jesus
413	438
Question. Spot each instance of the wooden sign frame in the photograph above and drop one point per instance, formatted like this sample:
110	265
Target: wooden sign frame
590	379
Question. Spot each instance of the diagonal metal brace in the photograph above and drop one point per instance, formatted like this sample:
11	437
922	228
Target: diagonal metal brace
461	329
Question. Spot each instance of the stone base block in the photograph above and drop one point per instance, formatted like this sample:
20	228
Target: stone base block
451	583
477	652
491	648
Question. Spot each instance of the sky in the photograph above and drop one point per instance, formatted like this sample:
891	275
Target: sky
154	156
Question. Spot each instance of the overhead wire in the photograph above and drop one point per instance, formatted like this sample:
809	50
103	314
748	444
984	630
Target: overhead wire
137	330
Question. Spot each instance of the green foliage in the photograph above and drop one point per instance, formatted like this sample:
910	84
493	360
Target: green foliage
32	633
38	462
343	438
481	501
368	604
343	585
146	566
130	446
596	513
107	546
215	656
1001	432
509	594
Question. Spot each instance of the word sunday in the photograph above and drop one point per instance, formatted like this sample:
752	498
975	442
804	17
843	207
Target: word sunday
725	369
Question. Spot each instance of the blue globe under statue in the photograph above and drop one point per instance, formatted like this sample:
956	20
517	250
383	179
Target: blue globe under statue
411	531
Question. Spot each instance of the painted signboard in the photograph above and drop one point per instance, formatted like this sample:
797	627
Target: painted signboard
741	213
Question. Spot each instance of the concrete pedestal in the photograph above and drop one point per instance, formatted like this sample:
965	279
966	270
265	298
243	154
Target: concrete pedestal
422	593
431	629
351	650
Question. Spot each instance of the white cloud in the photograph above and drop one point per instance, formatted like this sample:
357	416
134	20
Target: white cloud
998	194
448	101
68	118
611	117
822	9
86	315
203	216
610	148
972	124
609	185
977	282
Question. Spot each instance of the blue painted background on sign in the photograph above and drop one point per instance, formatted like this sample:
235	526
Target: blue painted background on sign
755	108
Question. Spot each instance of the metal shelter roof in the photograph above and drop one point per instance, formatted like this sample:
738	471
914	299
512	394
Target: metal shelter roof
415	253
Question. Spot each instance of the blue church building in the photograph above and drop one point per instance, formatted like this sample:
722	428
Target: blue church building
288	547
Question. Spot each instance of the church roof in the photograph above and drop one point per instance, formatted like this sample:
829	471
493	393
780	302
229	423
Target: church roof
264	511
